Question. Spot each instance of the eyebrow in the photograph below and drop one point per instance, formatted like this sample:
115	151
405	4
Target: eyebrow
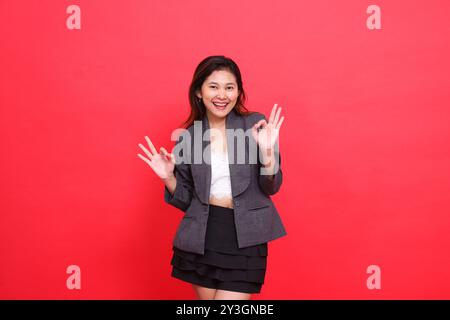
212	82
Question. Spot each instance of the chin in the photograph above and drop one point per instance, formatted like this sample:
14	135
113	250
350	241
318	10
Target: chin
220	114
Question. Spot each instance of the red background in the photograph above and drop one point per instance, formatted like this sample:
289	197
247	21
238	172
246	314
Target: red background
365	142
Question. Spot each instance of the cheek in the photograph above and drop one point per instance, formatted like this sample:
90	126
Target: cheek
233	95
206	93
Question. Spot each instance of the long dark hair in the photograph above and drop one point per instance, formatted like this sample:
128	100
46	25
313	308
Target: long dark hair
203	71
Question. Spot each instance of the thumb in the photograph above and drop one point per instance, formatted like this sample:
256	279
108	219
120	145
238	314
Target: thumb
169	156
163	152
260	124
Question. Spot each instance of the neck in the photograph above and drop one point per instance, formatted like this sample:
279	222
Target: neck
217	123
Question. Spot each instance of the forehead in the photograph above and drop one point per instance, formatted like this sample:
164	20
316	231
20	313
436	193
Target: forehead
221	77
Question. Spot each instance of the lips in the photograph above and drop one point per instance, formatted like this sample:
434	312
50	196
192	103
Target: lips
220	105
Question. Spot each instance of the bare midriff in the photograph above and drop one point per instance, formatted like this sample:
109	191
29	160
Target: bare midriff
221	202
219	143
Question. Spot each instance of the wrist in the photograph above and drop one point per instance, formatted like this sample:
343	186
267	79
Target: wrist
267	150
169	177
267	154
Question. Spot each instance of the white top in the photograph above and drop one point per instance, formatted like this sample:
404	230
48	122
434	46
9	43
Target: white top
220	175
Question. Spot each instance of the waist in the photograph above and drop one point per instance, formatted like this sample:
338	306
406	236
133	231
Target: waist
219	209
221	202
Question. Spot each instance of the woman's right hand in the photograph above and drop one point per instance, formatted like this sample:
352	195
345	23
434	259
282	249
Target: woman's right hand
162	163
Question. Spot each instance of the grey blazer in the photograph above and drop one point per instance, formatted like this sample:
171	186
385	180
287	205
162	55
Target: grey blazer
256	218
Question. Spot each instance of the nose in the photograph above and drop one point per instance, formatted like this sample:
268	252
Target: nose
221	94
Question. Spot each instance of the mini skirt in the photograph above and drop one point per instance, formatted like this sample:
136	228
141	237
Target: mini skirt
224	265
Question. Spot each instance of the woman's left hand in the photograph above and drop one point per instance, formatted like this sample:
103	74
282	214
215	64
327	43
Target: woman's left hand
267	136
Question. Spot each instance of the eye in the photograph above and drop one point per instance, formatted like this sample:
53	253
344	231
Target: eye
212	86
231	88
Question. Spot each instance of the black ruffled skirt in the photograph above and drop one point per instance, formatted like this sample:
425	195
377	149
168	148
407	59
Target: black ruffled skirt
223	266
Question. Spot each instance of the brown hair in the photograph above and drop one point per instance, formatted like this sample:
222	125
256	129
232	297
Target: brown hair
203	71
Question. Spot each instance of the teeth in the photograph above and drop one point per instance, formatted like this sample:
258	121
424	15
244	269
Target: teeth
220	104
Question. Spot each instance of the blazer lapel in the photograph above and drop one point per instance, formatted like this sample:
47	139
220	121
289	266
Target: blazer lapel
239	173
201	172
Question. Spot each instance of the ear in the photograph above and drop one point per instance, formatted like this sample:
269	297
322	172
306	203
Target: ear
198	94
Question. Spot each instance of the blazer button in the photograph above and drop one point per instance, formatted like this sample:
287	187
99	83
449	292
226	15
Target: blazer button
236	203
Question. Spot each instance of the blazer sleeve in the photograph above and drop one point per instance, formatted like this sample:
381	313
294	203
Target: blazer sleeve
182	196
270	184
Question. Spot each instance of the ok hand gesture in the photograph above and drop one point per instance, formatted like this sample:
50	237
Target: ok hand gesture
162	163
267	136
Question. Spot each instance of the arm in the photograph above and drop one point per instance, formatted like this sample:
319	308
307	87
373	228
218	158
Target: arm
269	159
178	187
270	183
170	183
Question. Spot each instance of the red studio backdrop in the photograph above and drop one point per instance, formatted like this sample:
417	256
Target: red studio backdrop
364	87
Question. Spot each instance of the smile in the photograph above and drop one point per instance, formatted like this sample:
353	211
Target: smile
220	106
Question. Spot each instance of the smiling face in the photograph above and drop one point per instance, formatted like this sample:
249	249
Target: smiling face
219	93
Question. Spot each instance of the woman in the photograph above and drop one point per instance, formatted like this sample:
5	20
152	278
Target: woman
221	243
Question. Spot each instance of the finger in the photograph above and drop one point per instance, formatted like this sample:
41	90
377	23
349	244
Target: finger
275	121
272	113
165	154
163	151
172	157
152	147
261	122
148	153
279	123
146	160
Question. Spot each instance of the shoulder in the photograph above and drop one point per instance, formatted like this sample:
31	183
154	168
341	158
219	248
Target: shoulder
183	135
254	117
